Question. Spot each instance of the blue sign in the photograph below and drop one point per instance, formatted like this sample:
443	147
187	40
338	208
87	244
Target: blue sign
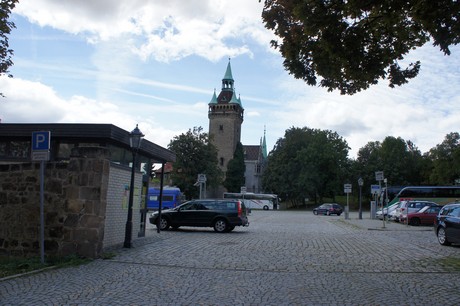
41	141
375	189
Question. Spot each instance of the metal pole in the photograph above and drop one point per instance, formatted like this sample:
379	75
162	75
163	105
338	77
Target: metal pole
129	221
42	212
348	209
360	203
380	188
160	203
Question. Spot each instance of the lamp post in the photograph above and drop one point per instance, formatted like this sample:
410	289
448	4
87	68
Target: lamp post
135	138
360	184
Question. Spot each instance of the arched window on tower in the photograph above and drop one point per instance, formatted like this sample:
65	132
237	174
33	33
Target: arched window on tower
221	161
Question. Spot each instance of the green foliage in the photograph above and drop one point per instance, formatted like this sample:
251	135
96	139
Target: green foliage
6	6
446	160
400	161
350	45
194	155
306	163
235	170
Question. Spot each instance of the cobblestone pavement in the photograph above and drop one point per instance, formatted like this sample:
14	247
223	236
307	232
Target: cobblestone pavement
282	258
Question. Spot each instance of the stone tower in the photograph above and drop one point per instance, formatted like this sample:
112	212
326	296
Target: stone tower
225	118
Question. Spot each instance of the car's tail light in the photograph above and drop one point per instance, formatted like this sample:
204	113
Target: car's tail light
240	209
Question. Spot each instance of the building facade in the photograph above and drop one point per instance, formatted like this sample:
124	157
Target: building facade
225	115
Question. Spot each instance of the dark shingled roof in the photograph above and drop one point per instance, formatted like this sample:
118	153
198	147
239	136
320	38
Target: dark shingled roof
251	152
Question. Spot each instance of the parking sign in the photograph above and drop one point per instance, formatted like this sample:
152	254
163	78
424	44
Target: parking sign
41	145
41	141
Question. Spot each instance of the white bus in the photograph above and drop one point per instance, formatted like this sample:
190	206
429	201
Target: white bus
255	200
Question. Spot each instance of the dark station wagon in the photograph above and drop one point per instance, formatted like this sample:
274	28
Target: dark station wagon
447	224
328	209
221	214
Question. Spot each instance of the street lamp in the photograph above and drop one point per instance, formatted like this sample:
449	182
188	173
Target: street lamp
360	184
135	138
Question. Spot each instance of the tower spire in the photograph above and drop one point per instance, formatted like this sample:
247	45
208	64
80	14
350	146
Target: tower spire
227	81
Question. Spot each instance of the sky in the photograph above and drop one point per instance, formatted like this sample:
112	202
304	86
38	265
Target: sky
157	64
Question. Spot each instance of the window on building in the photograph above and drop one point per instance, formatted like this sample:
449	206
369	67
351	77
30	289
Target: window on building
221	127
221	161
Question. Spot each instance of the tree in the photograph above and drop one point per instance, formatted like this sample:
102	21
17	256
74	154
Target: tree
352	44
234	178
307	163
446	160
194	155
400	161
6	6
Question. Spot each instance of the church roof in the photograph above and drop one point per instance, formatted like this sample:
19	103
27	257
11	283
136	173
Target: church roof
251	152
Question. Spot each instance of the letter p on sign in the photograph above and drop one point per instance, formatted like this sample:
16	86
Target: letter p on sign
41	141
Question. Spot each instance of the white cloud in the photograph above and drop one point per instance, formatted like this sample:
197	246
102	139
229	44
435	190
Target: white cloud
33	102
163	30
127	35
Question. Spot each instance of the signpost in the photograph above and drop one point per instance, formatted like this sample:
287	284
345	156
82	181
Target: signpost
202	181
347	190
41	152
380	177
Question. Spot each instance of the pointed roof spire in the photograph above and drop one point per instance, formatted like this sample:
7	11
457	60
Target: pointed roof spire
228	73
264	146
214	98
227	81
235	99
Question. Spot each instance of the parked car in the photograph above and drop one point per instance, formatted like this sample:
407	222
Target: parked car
387	211
328	209
447	224
424	216
221	214
410	207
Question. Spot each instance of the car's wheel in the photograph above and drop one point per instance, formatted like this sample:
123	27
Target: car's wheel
442	236
414	221
338	215
315	212
265	207
164	224
220	226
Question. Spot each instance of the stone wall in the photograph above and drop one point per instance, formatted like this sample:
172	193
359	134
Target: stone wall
75	203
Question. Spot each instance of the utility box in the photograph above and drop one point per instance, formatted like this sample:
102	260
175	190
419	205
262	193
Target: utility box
373	209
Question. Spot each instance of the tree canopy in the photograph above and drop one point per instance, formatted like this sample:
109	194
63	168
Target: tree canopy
194	155
446	160
306	163
234	178
400	160
350	45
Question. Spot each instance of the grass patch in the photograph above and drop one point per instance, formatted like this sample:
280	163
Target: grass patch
450	262
15	265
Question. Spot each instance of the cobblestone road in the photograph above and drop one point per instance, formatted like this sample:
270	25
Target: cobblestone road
282	258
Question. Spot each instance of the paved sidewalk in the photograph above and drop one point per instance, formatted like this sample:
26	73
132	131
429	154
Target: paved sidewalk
282	258
375	224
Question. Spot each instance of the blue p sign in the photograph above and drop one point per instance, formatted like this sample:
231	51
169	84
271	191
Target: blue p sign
41	141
